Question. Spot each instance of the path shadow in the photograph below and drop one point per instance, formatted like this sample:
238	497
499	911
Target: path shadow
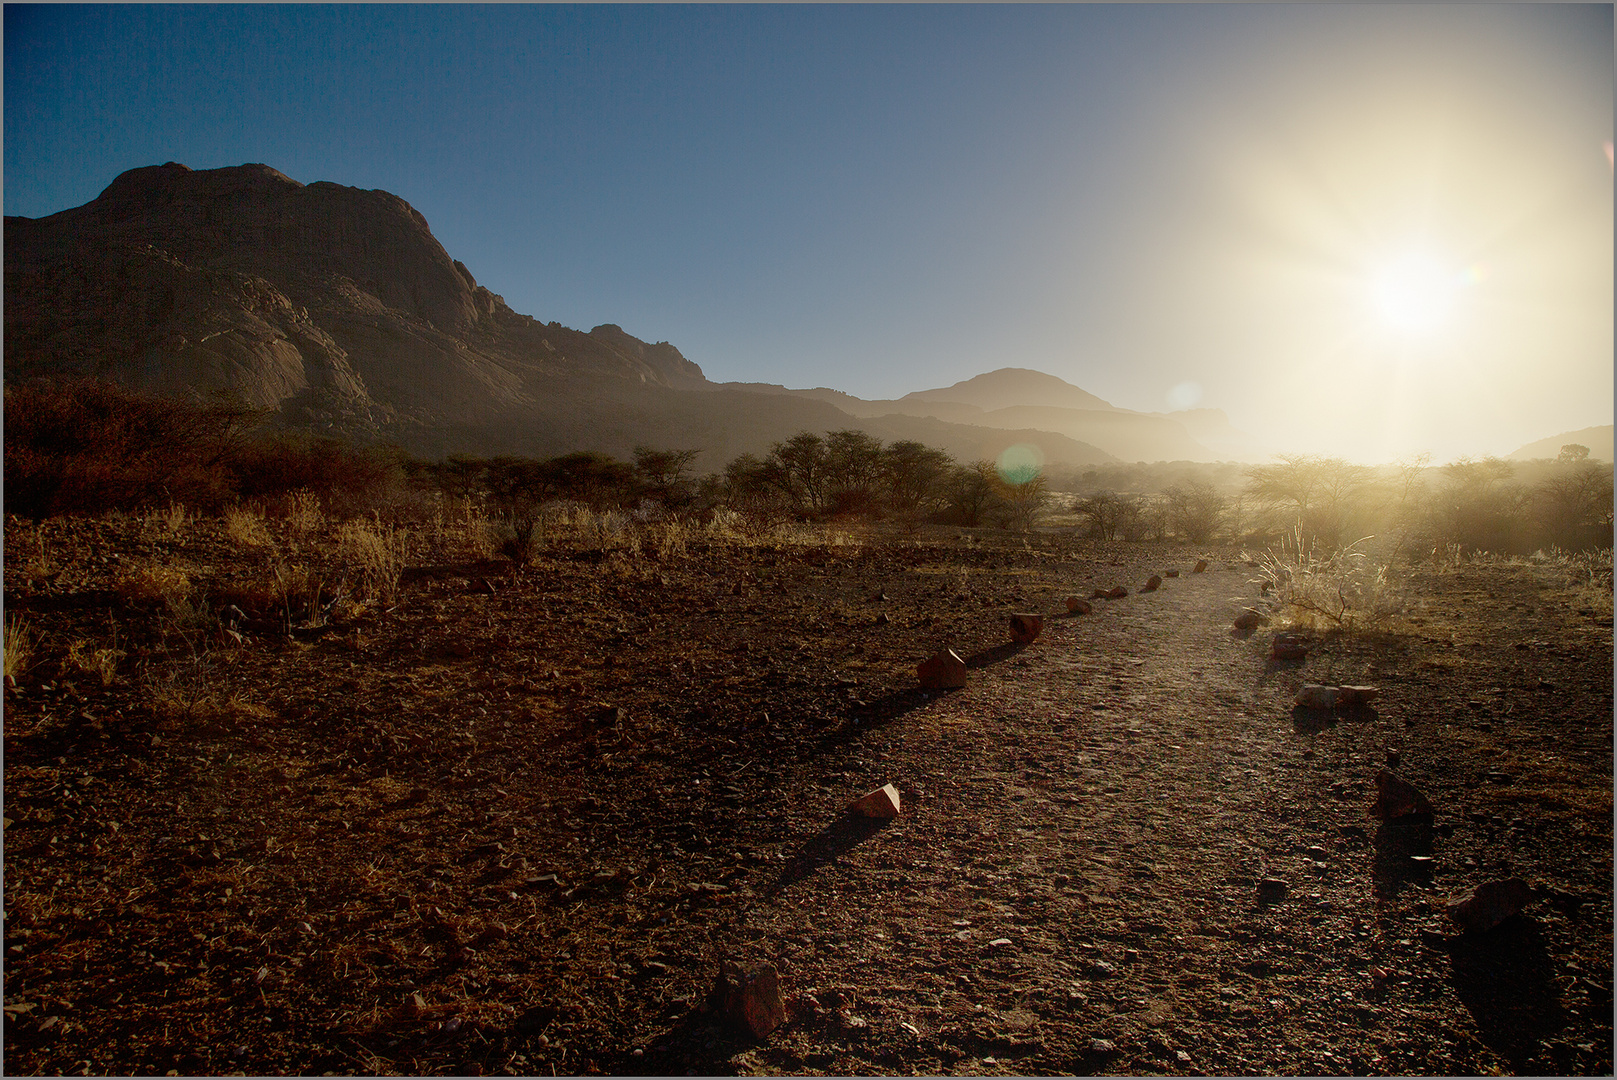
1505	977
831	842
996	655
1403	854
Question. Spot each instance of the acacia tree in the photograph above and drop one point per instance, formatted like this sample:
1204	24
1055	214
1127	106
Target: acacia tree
1316	494
853	470
749	486
969	491
664	475
1194	510
797	468
914	476
1572	453
586	476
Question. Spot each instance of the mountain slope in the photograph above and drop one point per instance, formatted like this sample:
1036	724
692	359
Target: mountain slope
334	309
1597	439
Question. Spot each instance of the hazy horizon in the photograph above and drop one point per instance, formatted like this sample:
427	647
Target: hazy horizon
1363	232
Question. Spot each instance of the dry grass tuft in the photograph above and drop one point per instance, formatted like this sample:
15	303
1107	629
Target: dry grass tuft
19	647
153	583
299	593
1343	590
85	657
462	530
667	538
303	514
374	556
245	528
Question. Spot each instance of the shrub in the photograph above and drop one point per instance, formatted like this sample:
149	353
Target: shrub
348	480
84	446
1021	498
1480	508
1193	510
969	492
1110	514
1319	495
1572	507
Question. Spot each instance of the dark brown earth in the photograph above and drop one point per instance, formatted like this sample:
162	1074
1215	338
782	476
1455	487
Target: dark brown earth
514	821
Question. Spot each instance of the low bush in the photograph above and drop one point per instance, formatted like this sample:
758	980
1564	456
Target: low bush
82	446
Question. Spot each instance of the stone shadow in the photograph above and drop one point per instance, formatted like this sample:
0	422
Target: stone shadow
1306	721
829	844
1403	854
996	655
1505	978
890	707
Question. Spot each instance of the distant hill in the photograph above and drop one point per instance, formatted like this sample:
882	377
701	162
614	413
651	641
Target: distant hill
1008	388
1597	439
336	310
1020	399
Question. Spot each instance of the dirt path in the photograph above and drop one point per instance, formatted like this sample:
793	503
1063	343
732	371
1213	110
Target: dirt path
1073	886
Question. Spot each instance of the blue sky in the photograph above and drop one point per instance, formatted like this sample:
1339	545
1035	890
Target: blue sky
1164	205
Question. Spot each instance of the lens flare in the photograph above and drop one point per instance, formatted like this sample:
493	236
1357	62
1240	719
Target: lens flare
1020	463
1184	396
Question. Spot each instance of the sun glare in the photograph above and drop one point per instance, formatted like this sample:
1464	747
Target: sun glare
1415	293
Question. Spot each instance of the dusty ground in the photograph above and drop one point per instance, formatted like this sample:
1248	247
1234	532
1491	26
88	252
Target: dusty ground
514	821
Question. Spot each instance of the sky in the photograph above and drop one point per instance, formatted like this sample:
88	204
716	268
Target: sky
1368	231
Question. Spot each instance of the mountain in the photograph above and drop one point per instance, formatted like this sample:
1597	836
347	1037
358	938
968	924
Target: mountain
334	309
332	305
1597	439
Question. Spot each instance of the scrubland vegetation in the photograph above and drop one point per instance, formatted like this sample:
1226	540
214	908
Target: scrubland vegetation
84	447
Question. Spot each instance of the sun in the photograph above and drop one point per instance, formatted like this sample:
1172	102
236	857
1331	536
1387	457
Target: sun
1414	293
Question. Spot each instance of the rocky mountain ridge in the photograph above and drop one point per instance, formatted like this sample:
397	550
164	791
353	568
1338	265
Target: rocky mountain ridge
336	310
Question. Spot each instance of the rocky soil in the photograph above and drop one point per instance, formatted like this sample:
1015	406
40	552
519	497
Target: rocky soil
514	820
